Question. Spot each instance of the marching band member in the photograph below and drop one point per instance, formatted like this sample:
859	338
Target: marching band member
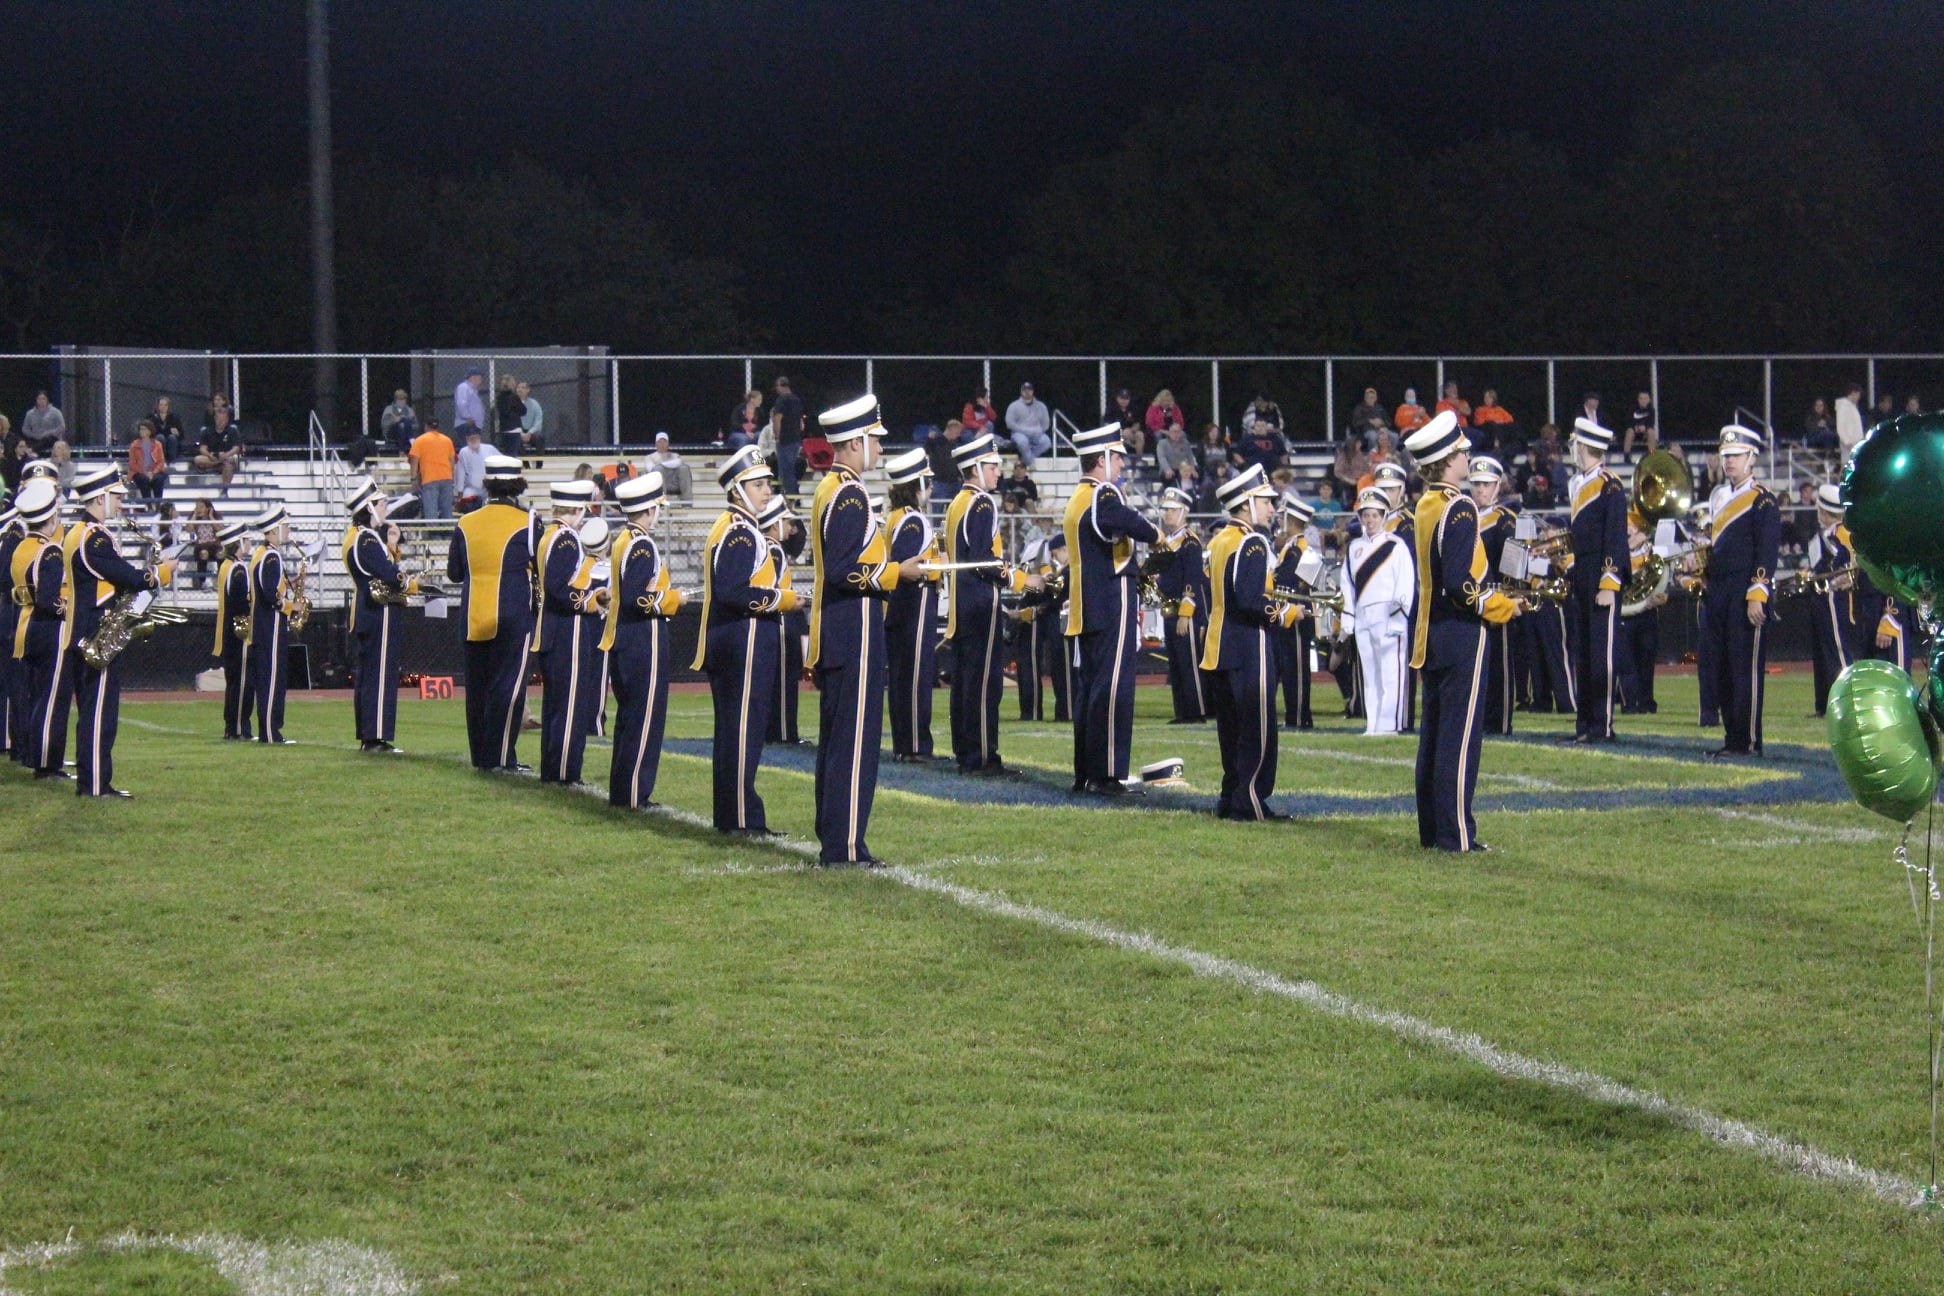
1601	561
1103	611
270	624
737	643
595	536
1391	479
491	559
564	634
973	621
1495	523
96	573
1379	589
1838	621
1639	644
636	643
910	631
855	575
231	647
40	589
1448	645
1239	655
12	532
1734	605
378	592
784	531
1027	668
1292	645
1893	615
1182	580
1051	651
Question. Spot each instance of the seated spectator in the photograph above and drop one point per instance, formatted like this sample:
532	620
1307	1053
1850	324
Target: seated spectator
1020	486
11	447
204	522
1352	465
612	475
1367	420
1912	405
62	457
1264	445
1544	457
1883	411
1259	409
1819	428
469	473
1490	411
1029	425
168	428
585	472
43	426
360	449
1539	492
219	447
745	423
978	415
945	474
1213	448
533	423
148	464
1327	506
1498	433
1451	400
1803	522
1132	419
165	529
1642	424
1410	415
1162	414
1217	471
398	426
675	474
1174	459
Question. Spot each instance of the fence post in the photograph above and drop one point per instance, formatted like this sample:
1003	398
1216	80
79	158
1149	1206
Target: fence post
1653	384
236	388
1552	392
985	376
614	400
1871	398
364	395
870	376
1768	402
1103	386
108	401
749	374
1440	381
1329	400
1215	388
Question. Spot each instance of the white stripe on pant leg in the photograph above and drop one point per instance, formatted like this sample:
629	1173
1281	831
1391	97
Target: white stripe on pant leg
857	722
1612	632
1464	740
647	715
513	703
1194	668
1754	683
985	682
94	739
1113	688
1264	704
567	731
742	725
917	664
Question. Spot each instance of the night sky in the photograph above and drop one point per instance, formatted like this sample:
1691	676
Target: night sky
861	152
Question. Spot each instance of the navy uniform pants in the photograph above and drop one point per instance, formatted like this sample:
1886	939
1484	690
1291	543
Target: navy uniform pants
1451	735
20	703
912	648
978	681
239	700
1518	637
495	698
851	725
270	676
1599	627
1552	667
570	675
638	672
1835	641
741	664
1498	679
1056	661
1103	711
1738	655
1245	729
1028	670
1192	704
97	695
789	680
1292	670
9	724
1639	650
50	674
376	697
1349	676
1706	668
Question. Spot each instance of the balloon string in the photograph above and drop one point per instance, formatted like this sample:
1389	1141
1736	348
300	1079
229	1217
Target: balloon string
1930	996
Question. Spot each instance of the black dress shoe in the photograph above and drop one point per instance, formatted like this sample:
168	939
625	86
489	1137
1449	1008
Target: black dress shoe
517	768
1079	786
52	774
1728	753
1106	787
998	770
106	792
756	834
1273	815
1482	846
908	758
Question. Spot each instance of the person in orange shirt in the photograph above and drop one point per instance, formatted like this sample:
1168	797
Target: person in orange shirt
1488	417
148	464
1491	411
1457	404
1410	415
432	454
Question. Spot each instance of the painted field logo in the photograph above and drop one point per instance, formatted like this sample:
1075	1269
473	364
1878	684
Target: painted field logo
327	1268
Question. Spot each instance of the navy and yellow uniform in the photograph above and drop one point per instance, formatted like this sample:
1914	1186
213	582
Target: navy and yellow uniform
47	687
636	641
1494	529
1455	605
1104	625
12	532
1292	643
973	626
269	640
736	647
491	559
911	636
1181	578
791	627
1052	651
96	573
1839	627
1896	622
566	630
231	648
1747	532
854	576
1601	564
375	634
1240	659
1638	649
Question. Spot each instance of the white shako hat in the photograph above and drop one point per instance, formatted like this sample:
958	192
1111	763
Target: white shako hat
362	495
1095	440
747	464
1736	439
1484	468
975	450
572	494
851	420
1589	433
96	482
1244	485
1439	439
907	467
639	494
503	468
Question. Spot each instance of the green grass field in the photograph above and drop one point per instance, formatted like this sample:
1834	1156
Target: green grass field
505	1039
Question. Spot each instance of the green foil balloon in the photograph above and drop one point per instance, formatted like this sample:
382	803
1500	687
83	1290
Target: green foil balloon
1894	491
1934	688
1886	751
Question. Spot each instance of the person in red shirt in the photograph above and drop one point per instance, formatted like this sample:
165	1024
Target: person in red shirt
978	416
148	464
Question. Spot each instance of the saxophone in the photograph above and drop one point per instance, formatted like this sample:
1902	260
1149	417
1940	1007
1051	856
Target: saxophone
298	608
121	624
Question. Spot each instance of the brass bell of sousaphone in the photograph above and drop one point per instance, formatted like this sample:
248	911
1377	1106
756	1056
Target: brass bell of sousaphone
1662	488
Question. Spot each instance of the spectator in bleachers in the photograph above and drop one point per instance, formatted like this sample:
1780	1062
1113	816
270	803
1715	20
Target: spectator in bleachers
1264	445
611	477
1020	486
1540	492
398	426
61	455
1327	507
675	474
1259	409
1217	471
1410	415
533	423
1544	459
946	475
469	474
44	425
148	463
1352	465
1213	448
1643	424
1174	459
1029	425
1132	419
1912	405
1849	418
1818	431
1449	399
432	457
978	415
1489	412
168	428
1590	407
1162	413
1368	420
1804	525
204	522
165	529
468	406
508	411
12	446
1884	409
786	431
745	423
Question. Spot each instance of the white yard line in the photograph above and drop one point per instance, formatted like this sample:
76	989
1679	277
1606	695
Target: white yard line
1803	828
327	1268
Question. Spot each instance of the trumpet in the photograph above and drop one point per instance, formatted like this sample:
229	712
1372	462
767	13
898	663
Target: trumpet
1554	544
1331	599
1544	589
1809	582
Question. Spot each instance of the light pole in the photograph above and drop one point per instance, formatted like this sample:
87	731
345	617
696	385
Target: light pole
323	221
